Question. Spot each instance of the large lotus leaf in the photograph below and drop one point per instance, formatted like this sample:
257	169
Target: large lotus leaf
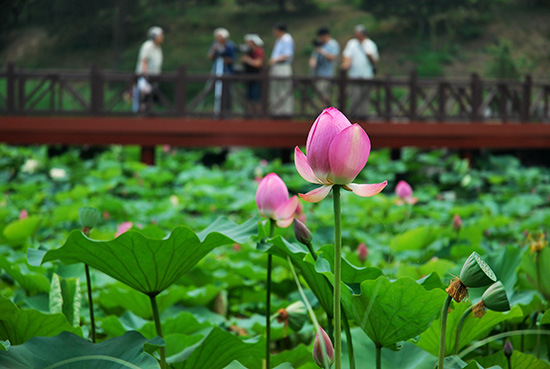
218	349
25	324
519	361
544	320
7	308
19	230
529	265
147	265
299	357
390	312
31	281
236	365
414	239
68	351
455	362
301	258
473	328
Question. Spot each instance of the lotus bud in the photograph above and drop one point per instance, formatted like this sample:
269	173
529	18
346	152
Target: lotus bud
89	217
362	252
302	233
475	273
457	223
23	214
494	298
508	349
323	351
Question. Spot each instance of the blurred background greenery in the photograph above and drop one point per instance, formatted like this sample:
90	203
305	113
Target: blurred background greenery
454	38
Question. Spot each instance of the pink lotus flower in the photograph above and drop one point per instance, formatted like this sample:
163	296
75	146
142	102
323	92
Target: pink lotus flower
404	191
123	227
336	152
324	357
362	252
457	222
273	202
23	214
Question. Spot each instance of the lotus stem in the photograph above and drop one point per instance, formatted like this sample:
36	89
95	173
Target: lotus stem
378	356
90	301
459	328
268	301
509	360
349	340
158	327
443	331
337	277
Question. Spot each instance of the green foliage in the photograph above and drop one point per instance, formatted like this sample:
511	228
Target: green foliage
503	65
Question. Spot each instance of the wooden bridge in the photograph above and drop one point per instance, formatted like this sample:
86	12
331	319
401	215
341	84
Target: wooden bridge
94	107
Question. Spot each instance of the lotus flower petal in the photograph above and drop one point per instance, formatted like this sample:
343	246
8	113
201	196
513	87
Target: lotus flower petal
366	190
317	194
287	209
348	154
326	127
283	223
303	167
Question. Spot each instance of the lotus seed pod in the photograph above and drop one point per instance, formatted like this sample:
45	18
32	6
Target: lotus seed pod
297	315
88	216
495	297
476	273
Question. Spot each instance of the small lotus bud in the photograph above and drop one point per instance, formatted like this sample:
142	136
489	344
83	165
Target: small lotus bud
476	273
508	349
23	214
457	223
362	252
302	233
88	217
323	351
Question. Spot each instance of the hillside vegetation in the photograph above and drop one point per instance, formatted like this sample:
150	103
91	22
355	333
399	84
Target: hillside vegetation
505	38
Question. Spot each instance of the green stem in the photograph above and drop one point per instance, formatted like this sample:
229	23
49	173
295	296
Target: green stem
349	340
156	317
443	331
509	359
459	328
337	277
268	301
330	327
311	250
500	336
90	301
378	356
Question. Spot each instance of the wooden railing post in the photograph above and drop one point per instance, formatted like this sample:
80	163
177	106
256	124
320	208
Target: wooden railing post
181	90
526	103
477	98
10	82
442	101
264	97
96	91
342	86
413	96
389	97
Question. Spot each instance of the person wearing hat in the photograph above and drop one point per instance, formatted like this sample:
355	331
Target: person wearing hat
253	62
323	63
281	98
222	53
149	63
359	58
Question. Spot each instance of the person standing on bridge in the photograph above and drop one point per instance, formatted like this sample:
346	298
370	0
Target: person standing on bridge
149	64
222	53
323	63
281	98
359	58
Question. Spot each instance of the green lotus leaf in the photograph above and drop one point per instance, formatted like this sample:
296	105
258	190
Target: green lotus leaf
518	358
25	324
147	265
65	298
69	351
7	308
390	312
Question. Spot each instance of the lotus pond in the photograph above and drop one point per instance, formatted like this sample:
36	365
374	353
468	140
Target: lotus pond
174	263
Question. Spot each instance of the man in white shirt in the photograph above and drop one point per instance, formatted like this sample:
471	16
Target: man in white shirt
281	98
359	58
149	63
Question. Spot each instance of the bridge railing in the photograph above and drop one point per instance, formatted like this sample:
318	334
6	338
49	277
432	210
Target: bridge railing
181	94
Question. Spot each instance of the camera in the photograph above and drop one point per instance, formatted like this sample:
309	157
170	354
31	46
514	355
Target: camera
316	42
245	49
